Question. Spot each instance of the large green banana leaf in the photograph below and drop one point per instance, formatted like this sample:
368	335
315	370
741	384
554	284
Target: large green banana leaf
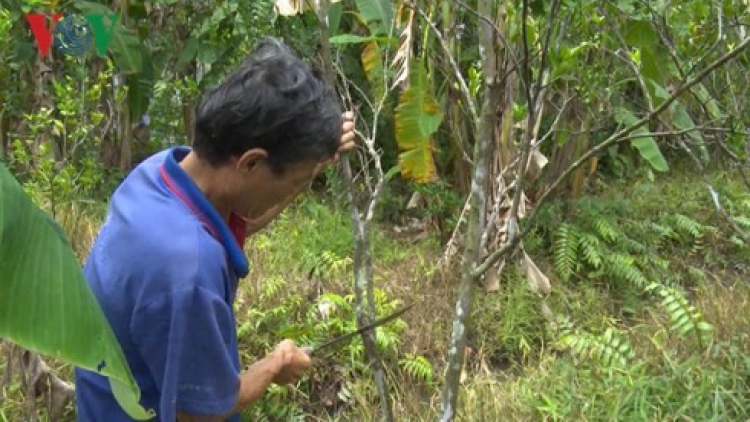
418	117
45	303
646	145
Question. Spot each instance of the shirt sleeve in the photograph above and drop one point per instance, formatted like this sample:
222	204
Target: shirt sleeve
185	339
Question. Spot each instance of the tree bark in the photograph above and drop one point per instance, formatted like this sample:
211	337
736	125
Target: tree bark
485	129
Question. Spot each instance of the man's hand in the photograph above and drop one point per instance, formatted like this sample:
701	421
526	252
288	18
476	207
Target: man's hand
348	135
284	365
292	361
346	143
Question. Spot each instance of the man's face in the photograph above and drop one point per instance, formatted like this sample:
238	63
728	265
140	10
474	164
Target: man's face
259	189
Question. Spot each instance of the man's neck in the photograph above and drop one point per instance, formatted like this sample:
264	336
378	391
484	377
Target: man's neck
210	181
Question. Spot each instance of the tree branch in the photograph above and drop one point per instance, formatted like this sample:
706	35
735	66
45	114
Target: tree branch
531	123
545	45
363	288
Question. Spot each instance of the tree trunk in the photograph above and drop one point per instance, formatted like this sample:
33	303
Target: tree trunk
485	129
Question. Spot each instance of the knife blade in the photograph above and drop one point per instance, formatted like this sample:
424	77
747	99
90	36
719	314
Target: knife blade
313	350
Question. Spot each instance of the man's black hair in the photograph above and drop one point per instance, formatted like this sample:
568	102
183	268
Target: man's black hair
274	101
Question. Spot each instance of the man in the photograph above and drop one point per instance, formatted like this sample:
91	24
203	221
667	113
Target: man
166	263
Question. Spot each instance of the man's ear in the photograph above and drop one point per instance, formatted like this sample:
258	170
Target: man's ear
248	161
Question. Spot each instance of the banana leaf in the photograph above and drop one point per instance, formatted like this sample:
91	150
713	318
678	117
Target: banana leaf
46	305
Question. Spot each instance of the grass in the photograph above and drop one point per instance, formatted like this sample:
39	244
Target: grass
518	368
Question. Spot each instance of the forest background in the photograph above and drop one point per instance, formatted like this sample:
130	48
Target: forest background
557	187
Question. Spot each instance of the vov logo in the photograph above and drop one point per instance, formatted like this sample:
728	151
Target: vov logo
72	35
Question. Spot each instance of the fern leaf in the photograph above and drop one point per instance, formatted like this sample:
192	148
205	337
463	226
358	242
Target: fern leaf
592	250
698	245
684	317
662	232
609	349
688	225
656	261
623	267
417	367
566	251
606	230
634	246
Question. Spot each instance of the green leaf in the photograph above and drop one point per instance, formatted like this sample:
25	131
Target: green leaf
378	14
653	63
349	39
45	303
391	173
418	114
418	117
686	328
335	11
210	51
713	107
682	120
126	52
658	92
640	34
140	90
704	326
188	53
645	145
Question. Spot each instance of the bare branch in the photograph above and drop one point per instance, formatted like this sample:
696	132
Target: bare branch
363	286
613	139
452	246
664	134
555	123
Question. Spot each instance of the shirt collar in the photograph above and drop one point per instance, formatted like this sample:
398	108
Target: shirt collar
232	236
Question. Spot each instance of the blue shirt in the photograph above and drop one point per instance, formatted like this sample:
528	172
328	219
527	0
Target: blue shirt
165	268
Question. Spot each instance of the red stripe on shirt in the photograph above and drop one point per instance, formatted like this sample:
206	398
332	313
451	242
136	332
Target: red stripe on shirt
172	187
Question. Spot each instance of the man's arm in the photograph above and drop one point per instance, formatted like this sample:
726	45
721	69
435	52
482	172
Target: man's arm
253	383
286	364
